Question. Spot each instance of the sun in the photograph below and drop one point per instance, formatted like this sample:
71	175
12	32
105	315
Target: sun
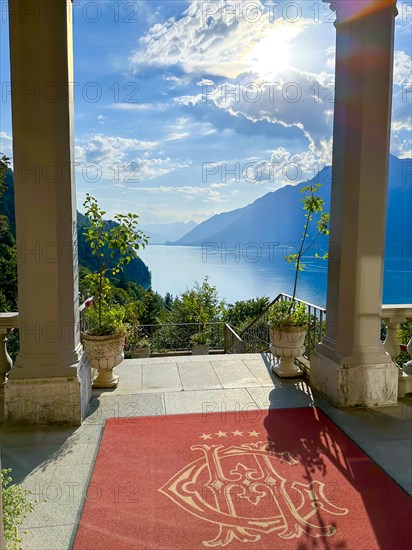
272	53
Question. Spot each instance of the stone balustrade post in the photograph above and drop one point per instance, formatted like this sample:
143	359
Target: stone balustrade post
391	343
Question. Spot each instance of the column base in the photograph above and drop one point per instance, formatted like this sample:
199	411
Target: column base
369	385
53	400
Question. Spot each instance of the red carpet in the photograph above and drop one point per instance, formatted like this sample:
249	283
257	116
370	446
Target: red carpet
257	480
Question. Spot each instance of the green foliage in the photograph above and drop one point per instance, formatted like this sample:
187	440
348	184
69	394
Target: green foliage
135	272
8	258
108	321
284	315
133	311
142	342
153	305
243	312
312	205
4	167
114	246
201	338
404	335
199	305
16	507
168	301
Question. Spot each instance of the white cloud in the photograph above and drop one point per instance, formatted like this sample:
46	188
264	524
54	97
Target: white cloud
157	106
125	161
286	168
402	68
296	99
179	129
6	144
218	38
330	57
175	136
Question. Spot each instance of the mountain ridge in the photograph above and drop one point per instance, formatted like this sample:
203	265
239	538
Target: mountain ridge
277	216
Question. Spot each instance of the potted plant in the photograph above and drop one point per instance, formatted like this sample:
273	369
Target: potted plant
113	245
288	321
140	348
200	343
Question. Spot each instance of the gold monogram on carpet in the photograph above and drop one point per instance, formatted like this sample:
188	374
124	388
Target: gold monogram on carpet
235	486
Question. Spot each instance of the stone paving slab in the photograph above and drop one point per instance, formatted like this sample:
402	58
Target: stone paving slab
262	373
130	380
297	394
395	457
49	538
162	377
234	374
123	406
200	377
204	401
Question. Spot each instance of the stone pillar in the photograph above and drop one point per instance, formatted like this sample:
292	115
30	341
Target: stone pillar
50	381
350	365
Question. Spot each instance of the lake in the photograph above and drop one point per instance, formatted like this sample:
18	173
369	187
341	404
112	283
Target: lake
249	273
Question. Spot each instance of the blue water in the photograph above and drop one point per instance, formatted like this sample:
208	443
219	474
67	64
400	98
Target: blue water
248	273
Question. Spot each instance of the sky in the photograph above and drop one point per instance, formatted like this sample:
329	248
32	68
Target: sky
184	109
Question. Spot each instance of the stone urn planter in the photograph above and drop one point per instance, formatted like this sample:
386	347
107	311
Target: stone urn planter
287	344
200	349
104	353
140	353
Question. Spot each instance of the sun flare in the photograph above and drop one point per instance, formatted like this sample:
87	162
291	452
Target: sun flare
272	53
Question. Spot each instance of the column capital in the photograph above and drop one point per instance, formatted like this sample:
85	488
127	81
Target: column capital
354	10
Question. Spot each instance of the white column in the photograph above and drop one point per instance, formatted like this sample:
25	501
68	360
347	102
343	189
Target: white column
49	381
350	366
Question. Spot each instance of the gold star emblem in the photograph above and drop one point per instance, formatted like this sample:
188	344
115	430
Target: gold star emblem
206	436
237	433
254	433
221	434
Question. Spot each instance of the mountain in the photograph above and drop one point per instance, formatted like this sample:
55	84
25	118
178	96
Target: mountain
160	233
277	217
137	271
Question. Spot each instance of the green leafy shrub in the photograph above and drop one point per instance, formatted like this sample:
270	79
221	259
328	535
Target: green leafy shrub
201	338
286	315
108	321
16	507
241	313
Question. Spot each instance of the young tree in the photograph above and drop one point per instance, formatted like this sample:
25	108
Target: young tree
312	204
114	246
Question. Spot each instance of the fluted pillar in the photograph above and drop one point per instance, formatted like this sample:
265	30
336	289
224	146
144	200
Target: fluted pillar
50	382
350	365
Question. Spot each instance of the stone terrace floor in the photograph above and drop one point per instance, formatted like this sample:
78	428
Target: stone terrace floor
56	462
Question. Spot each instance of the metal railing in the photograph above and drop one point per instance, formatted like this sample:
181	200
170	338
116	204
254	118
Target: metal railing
233	342
256	337
176	337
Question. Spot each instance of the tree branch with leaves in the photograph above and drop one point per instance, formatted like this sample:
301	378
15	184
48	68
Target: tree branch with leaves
312	204
114	246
